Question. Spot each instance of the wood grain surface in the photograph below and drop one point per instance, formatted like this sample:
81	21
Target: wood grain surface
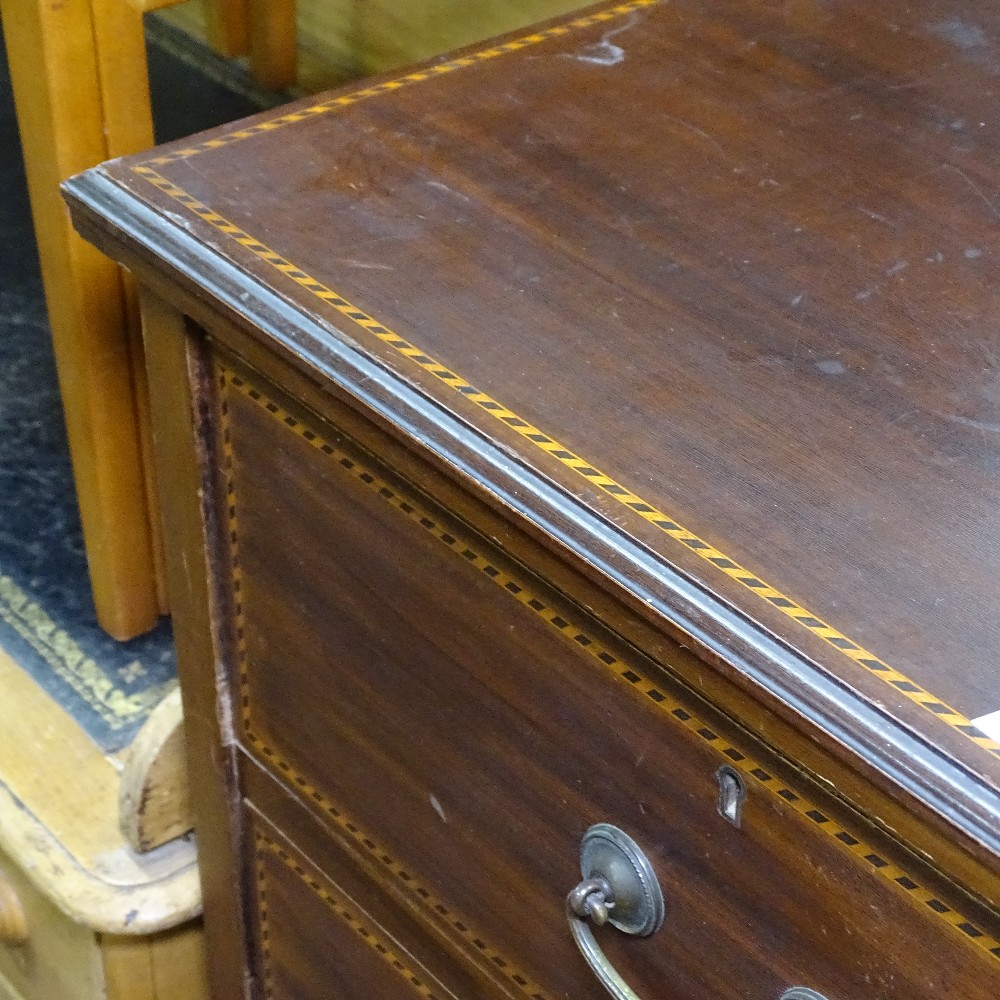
59	823
741	265
383	644
153	802
175	370
679	321
62	59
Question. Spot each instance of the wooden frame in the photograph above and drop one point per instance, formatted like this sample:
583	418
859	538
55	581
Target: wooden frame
80	85
77	69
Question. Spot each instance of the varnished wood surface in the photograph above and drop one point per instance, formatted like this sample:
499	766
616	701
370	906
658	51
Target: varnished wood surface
380	643
100	922
169	966
153	802
62	958
176	379
587	287
738	259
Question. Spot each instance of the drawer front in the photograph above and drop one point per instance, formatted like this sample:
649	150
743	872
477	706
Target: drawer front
328	924
317	941
455	723
57	958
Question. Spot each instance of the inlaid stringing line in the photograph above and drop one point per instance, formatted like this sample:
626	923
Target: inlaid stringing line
344	912
377	852
623	671
389	86
873	664
265	928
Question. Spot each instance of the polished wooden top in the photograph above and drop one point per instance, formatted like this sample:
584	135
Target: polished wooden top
722	272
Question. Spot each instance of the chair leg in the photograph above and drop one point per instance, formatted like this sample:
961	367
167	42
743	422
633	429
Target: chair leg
128	128
56	78
273	43
226	21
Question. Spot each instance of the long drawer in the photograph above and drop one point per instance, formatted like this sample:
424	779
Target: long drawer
448	719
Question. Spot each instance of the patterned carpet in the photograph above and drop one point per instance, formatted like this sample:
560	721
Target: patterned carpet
47	621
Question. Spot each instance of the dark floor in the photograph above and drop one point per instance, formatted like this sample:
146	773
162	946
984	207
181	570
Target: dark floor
47	618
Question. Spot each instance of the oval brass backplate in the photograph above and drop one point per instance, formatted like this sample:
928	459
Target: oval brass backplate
609	853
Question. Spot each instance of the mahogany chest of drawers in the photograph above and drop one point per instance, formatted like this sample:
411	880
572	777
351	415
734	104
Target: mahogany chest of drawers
592	437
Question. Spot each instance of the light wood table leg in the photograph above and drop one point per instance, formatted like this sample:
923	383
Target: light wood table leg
226	24
165	966
59	56
273	45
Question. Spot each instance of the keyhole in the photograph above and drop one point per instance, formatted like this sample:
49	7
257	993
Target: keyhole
732	792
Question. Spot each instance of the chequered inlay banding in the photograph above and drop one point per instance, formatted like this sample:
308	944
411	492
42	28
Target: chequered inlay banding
668	525
432	72
469	549
342	907
264	935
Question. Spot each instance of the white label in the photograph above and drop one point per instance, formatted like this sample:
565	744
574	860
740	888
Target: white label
989	725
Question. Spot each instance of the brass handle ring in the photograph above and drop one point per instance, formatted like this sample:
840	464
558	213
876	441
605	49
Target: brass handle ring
619	887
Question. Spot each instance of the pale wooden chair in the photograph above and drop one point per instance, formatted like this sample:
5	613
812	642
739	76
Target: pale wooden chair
264	30
80	86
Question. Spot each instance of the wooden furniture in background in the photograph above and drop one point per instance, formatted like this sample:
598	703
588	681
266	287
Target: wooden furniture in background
153	801
345	39
388	35
79	76
598	426
263	30
226	23
83	916
63	960
272	43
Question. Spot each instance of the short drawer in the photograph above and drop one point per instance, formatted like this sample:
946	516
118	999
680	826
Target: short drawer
315	941
328	924
43	954
455	723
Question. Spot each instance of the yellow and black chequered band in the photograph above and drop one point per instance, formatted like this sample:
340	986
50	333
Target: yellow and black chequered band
576	632
670	526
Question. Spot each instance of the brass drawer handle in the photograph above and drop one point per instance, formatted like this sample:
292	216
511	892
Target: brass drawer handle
619	887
